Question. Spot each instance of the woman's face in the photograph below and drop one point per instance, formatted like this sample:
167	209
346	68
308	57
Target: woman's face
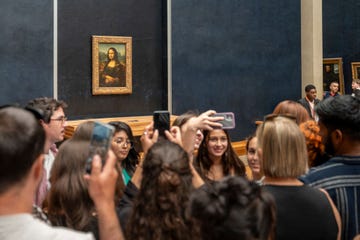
252	156
111	54
217	143
121	145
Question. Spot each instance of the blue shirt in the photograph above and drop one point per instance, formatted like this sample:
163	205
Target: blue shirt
340	177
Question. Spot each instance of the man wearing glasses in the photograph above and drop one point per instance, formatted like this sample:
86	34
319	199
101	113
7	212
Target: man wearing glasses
53	121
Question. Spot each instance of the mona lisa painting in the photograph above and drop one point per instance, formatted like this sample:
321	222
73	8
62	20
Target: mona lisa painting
111	65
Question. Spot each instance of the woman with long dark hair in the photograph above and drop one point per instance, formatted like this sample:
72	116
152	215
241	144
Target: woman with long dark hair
68	201
216	158
123	146
159	207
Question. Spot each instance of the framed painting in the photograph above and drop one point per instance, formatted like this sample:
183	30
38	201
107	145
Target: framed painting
333	72
355	69
111	65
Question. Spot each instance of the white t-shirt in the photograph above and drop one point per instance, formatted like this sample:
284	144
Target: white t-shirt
25	226
48	163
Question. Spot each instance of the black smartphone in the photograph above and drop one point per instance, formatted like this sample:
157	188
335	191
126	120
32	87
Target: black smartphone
229	119
100	142
161	122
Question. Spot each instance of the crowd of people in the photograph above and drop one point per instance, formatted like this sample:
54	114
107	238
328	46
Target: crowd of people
304	179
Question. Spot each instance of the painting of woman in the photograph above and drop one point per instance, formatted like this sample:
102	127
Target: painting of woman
112	71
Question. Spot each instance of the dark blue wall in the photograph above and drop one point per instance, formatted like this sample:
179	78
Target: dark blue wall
26	50
143	20
235	55
341	34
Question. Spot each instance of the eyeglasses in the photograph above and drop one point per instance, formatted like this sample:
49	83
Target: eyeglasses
62	119
122	143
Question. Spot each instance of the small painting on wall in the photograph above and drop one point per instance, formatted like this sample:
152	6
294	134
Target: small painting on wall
355	68
111	65
333	72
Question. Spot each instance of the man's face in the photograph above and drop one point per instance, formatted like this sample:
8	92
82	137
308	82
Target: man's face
311	95
55	129
334	87
354	85
326	139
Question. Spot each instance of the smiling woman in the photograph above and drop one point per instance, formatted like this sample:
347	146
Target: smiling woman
112	71
216	157
112	65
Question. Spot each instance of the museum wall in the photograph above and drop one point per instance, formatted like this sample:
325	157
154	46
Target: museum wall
26	50
145	22
235	55
26	53
341	34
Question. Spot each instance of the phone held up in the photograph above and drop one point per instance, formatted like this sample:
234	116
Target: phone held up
161	122
100	142
229	119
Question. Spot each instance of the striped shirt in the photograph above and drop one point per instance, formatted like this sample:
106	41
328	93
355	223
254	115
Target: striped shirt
340	177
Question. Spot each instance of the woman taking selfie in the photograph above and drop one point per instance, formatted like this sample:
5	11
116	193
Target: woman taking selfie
216	158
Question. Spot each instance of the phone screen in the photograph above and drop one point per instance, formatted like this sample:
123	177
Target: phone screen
100	142
229	119
161	121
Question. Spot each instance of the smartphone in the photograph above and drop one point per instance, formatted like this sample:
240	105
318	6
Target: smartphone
100	142
229	119
161	122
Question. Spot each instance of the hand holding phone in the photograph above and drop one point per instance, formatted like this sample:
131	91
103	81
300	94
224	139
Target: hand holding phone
100	142
161	122
229	119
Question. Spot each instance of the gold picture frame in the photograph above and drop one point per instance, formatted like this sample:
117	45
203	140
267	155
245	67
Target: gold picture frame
355	70
111	65
333	71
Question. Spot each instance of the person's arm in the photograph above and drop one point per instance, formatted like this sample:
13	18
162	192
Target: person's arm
102	191
186	138
148	139
204	121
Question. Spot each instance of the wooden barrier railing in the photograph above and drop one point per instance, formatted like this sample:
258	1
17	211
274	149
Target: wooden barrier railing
138	124
239	147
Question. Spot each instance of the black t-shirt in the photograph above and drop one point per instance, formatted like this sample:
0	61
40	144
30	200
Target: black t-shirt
303	213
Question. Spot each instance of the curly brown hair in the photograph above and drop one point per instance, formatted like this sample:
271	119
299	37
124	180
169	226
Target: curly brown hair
315	147
234	208
159	209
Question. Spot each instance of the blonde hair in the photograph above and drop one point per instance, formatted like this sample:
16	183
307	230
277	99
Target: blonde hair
283	148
